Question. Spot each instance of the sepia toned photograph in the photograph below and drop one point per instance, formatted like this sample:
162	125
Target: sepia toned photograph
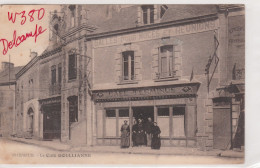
122	84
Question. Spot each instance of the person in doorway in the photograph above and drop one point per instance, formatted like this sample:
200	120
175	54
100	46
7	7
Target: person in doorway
134	132
156	140
148	130
125	132
140	135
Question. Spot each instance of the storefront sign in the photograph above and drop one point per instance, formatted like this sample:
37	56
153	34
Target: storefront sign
145	93
156	34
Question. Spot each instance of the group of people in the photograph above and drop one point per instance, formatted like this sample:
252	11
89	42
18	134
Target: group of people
143	134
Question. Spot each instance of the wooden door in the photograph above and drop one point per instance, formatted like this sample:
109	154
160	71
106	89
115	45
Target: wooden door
222	128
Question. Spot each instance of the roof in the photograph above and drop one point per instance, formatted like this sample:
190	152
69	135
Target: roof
4	75
127	17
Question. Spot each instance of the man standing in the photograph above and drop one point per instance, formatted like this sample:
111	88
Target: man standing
148	130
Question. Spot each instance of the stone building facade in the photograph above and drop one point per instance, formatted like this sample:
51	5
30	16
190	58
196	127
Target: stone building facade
7	98
181	65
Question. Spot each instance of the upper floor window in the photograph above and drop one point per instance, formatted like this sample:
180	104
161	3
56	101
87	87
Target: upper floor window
163	9
59	73
72	66
166	61
53	75
72	15
128	65
148	14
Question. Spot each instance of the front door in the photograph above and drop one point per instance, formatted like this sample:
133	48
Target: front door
222	128
52	123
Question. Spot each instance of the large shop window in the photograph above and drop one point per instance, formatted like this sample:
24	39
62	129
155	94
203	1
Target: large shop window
178	121
171	121
128	65
167	62
148	14
72	66
163	120
73	109
110	126
114	120
53	75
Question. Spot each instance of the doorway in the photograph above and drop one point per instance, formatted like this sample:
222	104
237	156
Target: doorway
144	113
222	133
30	121
52	122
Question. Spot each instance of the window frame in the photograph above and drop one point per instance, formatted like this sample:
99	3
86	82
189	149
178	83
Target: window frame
148	10
53	75
170	62
72	71
130	62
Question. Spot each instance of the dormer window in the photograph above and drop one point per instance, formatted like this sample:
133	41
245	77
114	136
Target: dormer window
72	15
163	10
148	14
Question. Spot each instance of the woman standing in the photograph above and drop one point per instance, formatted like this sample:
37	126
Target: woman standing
156	140
125	130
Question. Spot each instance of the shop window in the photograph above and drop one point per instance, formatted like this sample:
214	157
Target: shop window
72	66
166	62
72	15
163	9
73	109
123	112
163	120
110	123
59	73
163	111
128	65
110	113
53	75
148	14
178	118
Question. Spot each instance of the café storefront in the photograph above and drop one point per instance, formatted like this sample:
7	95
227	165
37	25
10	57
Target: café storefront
173	107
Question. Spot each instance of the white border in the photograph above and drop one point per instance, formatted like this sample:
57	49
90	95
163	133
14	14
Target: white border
252	116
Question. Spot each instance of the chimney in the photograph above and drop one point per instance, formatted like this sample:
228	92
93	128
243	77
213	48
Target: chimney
33	54
6	65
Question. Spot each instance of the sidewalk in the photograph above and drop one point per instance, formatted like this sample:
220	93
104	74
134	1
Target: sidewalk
57	145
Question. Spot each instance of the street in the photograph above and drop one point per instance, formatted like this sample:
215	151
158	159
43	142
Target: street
19	153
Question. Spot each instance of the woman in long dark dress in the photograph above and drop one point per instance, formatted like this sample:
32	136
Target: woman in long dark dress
156	140
140	135
134	132
125	130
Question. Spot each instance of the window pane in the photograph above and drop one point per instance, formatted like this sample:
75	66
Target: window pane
110	113
123	112
151	15
163	111
164	66
125	67
53	75
145	15
132	67
72	67
59	74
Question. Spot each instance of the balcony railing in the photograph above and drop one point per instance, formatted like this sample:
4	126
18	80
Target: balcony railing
55	89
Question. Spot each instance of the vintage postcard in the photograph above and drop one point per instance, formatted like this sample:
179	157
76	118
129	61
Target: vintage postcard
122	84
